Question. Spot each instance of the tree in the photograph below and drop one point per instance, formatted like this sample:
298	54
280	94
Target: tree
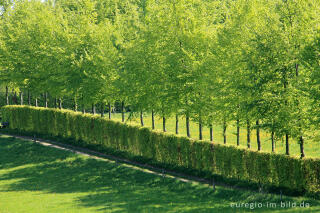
29	45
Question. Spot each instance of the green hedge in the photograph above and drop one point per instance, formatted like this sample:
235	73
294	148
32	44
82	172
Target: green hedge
241	165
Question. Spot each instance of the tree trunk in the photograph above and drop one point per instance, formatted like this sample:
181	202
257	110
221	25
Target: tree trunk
36	100
248	134
29	98
83	109
21	98
60	103
211	133
286	103
287	145
7	95
93	109
122	110
200	130
75	104
272	141
301	147
152	119
188	125
164	123
224	132
177	124
102	110
258	135
15	100
109	107
141	118
46	100
238	132
55	102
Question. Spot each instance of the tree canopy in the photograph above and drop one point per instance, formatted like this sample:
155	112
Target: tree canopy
255	62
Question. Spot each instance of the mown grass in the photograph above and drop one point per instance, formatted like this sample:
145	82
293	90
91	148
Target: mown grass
34	178
312	148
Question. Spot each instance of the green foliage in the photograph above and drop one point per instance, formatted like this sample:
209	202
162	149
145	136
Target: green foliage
229	162
58	50
32	173
215	61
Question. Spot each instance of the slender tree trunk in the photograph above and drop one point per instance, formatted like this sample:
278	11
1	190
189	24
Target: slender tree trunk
102	109
75	104
21	98
55	102
29	98
164	123
109	107
287	145
272	141
60	103
211	133
36	100
83	109
302	155
224	132
122	110
7	95
188	125
286	103
258	135
200	129
238	132
93	109
248	134
15	98
46	100
152	119
141	118
177	124
12	97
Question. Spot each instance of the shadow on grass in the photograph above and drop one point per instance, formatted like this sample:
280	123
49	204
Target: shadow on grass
113	187
14	153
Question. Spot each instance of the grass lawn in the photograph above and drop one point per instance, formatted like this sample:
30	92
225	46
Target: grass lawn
312	148
35	178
